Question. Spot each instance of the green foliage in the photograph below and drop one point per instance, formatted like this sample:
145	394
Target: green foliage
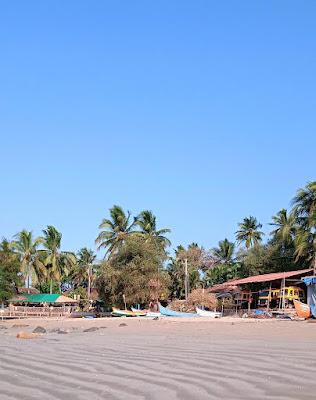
135	271
136	251
285	227
84	269
26	247
304	209
198	260
58	263
224	253
9	271
48	287
249	232
146	220
115	230
83	298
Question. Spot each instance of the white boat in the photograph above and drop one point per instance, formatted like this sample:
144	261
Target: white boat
210	314
153	314
150	314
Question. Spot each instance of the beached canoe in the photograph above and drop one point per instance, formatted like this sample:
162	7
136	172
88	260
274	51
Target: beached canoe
116	312
302	310
210	314
150	314
170	313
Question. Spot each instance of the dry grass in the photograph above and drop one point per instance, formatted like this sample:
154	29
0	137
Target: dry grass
197	297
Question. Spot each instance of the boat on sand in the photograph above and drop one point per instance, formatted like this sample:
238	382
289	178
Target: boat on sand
210	314
151	314
302	310
116	312
170	313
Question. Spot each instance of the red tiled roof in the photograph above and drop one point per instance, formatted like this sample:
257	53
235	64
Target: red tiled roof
263	278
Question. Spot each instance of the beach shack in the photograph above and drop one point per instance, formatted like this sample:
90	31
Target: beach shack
41	304
275	291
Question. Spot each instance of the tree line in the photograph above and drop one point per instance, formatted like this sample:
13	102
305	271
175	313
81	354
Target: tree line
138	267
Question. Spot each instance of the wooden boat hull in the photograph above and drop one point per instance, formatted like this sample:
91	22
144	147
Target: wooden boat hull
210	314
302	309
170	313
126	313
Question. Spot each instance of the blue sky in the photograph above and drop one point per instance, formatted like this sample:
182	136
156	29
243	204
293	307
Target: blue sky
201	111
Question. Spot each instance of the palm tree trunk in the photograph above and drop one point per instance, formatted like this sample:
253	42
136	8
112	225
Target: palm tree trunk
89	282
28	278
51	286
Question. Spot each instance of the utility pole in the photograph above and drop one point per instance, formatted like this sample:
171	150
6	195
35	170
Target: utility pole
186	279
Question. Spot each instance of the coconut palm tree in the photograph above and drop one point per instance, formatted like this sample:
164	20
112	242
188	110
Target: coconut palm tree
304	209
224	252
304	206
249	232
27	248
285	226
115	230
146	220
57	262
86	258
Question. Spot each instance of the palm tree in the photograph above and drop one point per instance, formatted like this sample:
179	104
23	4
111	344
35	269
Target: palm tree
249	232
56	261
86	258
304	205
224	252
304	209
146	220
26	246
114	230
284	224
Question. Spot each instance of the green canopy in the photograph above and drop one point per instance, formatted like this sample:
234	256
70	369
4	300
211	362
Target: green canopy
41	298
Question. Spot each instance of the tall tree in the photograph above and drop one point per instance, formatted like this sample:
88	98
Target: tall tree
9	271
249	232
27	248
146	220
85	267
56	261
284	224
224	253
304	208
115	230
134	273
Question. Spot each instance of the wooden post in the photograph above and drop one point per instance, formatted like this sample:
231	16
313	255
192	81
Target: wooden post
283	297
269	297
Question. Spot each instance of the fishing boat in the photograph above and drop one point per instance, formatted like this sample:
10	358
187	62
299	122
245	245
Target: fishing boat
170	313
150	314
153	314
210	314
116	312
302	310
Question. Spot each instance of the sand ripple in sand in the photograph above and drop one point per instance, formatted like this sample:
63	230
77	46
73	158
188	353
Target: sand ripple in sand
145	364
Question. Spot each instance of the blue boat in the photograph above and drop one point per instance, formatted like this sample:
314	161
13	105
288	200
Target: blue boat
170	313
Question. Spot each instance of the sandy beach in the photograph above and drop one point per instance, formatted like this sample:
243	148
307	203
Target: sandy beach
159	359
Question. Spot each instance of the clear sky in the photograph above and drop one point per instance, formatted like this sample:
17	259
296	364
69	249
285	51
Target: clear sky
202	111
